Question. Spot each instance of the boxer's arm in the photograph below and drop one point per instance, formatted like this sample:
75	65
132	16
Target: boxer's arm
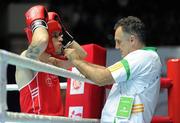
39	43
23	75
36	21
35	49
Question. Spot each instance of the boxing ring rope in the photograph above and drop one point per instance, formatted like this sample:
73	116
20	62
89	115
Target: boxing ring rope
14	59
26	118
14	87
165	83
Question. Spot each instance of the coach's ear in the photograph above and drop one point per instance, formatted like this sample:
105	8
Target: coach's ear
132	38
133	41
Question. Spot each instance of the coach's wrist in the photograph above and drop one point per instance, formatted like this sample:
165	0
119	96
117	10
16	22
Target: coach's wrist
76	62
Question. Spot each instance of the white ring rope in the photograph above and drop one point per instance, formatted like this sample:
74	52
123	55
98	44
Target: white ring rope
29	118
14	87
15	59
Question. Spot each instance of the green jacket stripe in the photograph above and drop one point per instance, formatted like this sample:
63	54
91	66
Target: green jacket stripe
126	66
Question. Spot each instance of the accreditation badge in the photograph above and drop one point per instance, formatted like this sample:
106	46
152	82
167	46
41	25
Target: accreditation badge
125	107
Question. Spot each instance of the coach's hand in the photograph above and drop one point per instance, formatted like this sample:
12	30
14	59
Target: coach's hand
71	54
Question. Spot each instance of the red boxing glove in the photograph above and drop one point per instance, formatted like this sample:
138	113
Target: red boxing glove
36	16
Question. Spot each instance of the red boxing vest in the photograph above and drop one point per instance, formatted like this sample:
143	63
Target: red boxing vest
42	96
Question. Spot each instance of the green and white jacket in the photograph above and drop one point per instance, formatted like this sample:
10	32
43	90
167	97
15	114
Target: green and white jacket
137	75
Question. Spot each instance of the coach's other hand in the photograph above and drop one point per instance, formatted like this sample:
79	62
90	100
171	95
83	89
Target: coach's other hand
72	54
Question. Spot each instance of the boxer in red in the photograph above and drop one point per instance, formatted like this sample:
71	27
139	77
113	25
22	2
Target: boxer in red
40	91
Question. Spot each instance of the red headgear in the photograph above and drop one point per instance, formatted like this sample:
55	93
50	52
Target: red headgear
53	25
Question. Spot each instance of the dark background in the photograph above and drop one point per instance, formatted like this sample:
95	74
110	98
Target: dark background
90	21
